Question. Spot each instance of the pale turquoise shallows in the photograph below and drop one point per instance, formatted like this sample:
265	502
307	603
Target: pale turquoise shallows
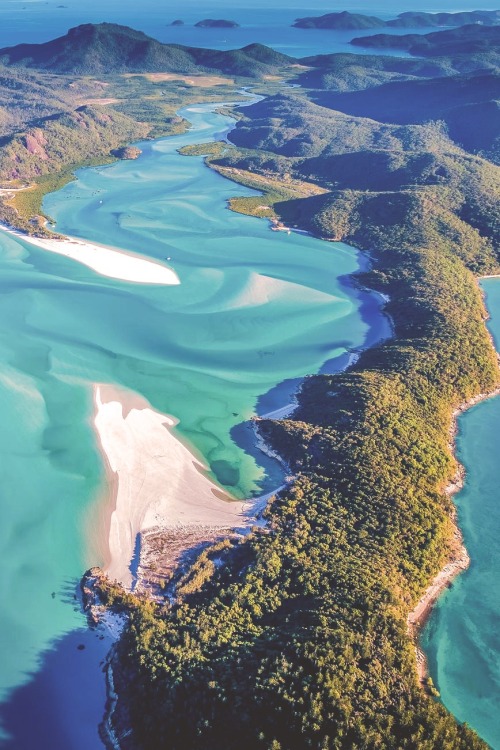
255	311
462	638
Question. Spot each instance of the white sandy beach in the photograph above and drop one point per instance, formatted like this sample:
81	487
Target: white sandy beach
106	261
154	481
282	413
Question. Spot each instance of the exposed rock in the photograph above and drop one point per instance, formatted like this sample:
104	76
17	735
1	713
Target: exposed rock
127	152
35	143
90	599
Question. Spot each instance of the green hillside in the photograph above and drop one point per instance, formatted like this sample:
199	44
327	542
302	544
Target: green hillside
465	40
97	49
444	99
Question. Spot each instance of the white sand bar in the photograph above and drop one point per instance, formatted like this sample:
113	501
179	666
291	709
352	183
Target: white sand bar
283	413
107	261
154	480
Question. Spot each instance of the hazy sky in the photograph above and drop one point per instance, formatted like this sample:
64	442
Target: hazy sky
324	6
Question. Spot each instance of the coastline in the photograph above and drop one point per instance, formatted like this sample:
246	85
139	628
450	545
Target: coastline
336	603
459	560
106	261
188	536
452	568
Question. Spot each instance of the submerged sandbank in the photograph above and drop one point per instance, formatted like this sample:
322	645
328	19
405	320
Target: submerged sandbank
154	482
106	261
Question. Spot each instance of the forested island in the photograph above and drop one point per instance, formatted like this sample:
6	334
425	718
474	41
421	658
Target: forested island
216	23
343	20
466	40
298	636
410	20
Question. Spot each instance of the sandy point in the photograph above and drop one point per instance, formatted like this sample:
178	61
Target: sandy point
106	261
153	481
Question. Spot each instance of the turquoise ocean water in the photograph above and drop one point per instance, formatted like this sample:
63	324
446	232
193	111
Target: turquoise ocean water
462	638
256	310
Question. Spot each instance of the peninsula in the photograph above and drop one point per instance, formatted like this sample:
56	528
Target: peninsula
297	635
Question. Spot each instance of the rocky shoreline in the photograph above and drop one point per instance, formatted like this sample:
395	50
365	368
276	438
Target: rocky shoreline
459	561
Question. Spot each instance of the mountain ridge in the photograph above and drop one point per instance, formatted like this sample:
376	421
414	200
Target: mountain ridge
98	49
408	19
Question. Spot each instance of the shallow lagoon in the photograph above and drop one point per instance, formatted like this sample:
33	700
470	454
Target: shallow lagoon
255	311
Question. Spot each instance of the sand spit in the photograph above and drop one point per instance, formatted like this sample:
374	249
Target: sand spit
283	413
106	261
155	484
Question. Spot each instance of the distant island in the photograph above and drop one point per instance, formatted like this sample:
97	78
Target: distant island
177	22
415	19
216	23
472	39
410	20
344	20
